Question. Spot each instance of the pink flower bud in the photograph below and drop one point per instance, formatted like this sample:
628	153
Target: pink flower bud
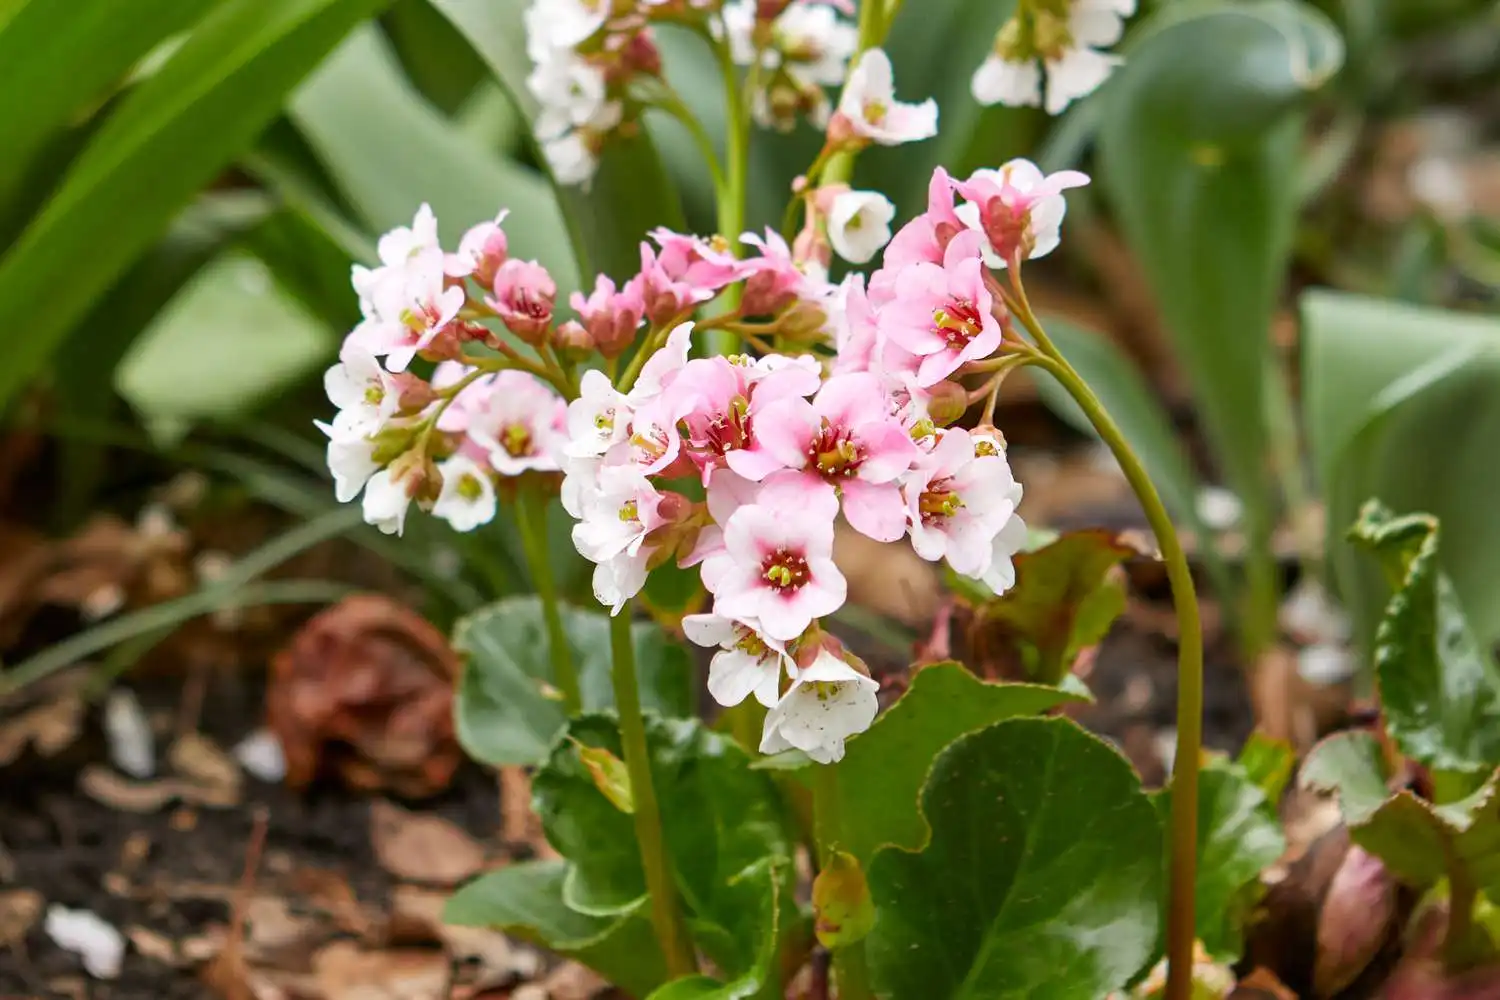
1357	918
572	340
611	317
480	253
413	394
524	295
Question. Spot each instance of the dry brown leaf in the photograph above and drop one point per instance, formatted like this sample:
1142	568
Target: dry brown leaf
1288	707
157	947
214	772
331	892
571	981
364	690
118	792
417	918
1261	984
345	972
47	728
421	847
19	912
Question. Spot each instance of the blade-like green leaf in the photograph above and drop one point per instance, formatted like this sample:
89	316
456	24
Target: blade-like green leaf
525	900
1200	138
1439	689
1042	878
1381	382
165	141
629	195
389	151
58	58
881	775
228	340
1238	836
506	710
720	819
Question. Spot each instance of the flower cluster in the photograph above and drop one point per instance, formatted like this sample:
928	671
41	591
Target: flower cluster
1064	36
446	441
795	49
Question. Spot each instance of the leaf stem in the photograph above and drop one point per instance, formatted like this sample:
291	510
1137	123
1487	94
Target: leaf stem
531	519
666	913
1184	818
732	193
851	971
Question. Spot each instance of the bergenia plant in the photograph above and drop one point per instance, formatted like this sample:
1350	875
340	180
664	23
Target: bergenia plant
864	405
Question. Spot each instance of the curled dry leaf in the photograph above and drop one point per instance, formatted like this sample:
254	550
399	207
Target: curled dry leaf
421	847
19	910
345	972
47	728
364	691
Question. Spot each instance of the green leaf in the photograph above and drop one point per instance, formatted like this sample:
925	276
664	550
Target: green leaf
629	195
1238	837
881	775
168	138
507	710
841	902
1353	765
1042	878
1063	601
1133	405
763	979
1268	763
524	899
1439	690
389	151
1381	381
610	776
1198	147
224	344
57	59
720	820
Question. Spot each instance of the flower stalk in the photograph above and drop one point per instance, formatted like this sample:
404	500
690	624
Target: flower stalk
666	913
531	520
851	972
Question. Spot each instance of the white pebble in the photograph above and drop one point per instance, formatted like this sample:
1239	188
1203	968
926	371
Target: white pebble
261	755
128	731
101	947
1219	508
1326	663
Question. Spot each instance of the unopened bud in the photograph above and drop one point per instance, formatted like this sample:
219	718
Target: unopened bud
949	402
674	507
770	10
1356	920
413	394
641	56
802	322
842	135
417	474
841	902
824	197
572	341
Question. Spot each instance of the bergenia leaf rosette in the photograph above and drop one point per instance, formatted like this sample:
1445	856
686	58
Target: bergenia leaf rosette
1066	38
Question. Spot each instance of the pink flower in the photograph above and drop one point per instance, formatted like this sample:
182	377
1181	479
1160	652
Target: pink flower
698	262
926	236
664	296
1017	208
844	443
868	105
855	334
777	567
524	294
727	493
773	280
481	251
718	398
611	317
958	502
662	367
943	313
405	305
520	424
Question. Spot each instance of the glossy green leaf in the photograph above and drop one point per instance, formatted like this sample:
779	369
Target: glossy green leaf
167	139
228	341
720	819
881	775
389	151
762	980
1381	381
1143	420
1439	689
1353	765
507	710
1063	601
1042	878
629	195
524	899
1238	836
1198	147
1268	763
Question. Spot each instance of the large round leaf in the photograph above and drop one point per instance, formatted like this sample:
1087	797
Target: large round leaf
1042	878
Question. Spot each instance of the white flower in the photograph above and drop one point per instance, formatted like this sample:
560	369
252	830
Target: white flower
405	306
617	515
747	662
351	456
361	388
659	370
403	243
815	44
619	579
1001	576
827	703
571	91
386	502
959	502
859	224
1076	73
869	103
561	24
598	419
519	422
1001	81
467	498
571	160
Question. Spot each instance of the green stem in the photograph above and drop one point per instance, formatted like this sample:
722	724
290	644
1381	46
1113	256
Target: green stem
531	519
872	29
731	195
851	971
1184	819
666	914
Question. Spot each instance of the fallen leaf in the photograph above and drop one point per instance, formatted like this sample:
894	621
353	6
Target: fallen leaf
345	972
19	910
417	918
47	728
157	947
364	691
421	847
118	792
199	759
571	981
331	892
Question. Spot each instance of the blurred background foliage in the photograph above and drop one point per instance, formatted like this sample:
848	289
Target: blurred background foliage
1288	260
